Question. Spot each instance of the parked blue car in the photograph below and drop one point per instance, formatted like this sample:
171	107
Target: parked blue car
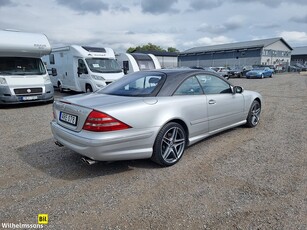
260	72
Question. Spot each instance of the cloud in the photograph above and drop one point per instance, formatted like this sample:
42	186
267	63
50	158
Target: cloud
5	3
198	5
299	19
127	39
208	41
231	24
121	8
213	29
294	36
83	6
265	26
272	3
158	6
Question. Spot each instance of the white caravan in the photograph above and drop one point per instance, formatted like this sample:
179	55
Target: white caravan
82	68
133	62
23	76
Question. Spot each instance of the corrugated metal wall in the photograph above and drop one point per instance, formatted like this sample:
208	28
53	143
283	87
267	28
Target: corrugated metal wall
222	58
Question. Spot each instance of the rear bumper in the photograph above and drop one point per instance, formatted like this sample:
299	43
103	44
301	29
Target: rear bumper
110	146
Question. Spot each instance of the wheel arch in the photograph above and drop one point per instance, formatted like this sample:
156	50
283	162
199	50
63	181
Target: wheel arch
59	82
60	85
259	100
87	84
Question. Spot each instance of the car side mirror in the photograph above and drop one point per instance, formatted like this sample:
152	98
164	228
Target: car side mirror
54	72
236	89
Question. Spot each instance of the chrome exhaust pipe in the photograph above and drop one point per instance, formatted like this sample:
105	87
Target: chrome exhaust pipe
58	144
88	161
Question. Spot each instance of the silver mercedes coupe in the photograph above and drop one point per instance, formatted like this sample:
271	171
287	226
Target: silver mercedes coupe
152	114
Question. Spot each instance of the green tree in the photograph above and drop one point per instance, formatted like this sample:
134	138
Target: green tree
172	49
150	47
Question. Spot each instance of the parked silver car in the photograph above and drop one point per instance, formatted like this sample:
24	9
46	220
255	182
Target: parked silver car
223	71
152	114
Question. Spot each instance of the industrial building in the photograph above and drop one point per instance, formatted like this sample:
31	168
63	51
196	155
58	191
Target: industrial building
273	51
299	55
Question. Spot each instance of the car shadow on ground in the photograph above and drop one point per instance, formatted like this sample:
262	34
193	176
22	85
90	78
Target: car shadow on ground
62	163
24	105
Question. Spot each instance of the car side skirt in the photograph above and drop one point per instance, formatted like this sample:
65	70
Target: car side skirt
200	137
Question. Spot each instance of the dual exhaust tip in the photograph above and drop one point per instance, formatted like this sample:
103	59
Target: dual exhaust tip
86	160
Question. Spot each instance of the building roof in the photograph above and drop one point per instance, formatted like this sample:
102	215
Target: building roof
299	50
159	53
237	45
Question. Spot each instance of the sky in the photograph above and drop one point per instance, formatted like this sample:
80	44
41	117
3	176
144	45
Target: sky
180	24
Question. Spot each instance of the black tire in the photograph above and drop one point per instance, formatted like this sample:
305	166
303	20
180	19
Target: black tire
169	145
271	75
88	88
51	101
253	116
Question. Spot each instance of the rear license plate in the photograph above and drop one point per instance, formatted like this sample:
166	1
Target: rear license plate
68	118
29	98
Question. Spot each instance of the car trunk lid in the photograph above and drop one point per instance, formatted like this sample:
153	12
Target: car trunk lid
72	112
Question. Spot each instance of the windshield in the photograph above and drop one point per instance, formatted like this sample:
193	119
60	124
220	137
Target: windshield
136	84
259	68
103	65
21	66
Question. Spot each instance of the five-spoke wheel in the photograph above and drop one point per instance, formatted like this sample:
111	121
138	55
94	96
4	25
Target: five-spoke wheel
254	114
169	145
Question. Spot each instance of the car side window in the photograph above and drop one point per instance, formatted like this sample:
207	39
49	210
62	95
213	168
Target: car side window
189	87
213	85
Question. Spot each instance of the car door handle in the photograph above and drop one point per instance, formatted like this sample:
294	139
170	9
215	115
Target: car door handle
212	102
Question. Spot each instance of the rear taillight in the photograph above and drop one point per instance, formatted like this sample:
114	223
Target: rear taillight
101	122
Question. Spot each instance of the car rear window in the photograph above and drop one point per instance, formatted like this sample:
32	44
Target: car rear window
136	84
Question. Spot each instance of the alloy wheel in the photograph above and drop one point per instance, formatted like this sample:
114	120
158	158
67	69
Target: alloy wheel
255	114
173	144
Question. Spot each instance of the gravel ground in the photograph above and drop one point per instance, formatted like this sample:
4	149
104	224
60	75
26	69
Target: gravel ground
239	179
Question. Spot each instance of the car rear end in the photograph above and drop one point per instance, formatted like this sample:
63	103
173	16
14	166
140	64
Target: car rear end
98	135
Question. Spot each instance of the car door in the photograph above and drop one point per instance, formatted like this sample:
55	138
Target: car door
192	102
267	72
224	107
83	76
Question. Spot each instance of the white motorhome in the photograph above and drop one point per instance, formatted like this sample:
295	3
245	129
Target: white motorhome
23	76
133	62
82	68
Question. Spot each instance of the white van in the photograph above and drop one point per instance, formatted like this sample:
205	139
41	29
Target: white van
82	68
133	62
23	76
